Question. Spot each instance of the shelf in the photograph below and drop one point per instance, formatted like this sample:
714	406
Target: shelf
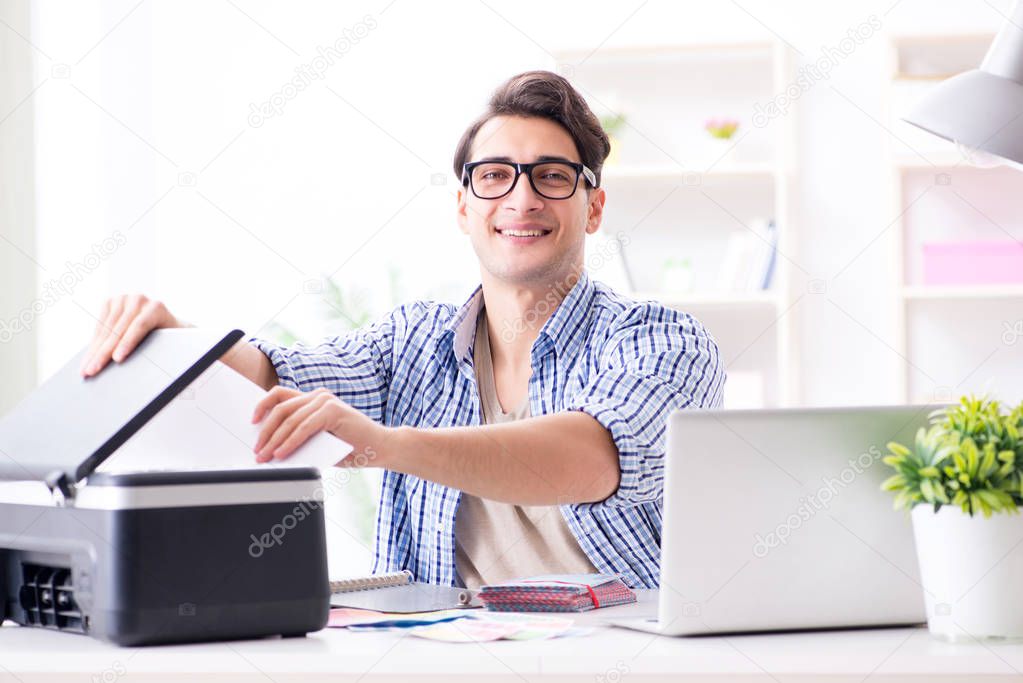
725	52
764	298
940	40
961	292
935	160
666	171
946	161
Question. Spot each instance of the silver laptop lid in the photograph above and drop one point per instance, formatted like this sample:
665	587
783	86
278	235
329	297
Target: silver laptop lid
774	519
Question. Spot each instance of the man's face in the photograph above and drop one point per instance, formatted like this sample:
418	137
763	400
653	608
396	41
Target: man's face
491	224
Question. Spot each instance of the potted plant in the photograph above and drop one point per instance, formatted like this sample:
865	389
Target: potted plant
722	130
962	479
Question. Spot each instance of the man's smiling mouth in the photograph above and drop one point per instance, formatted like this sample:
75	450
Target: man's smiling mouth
523	231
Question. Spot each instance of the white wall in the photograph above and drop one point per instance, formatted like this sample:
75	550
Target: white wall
20	268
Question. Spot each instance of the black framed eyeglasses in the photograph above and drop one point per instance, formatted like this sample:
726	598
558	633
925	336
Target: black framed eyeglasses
549	179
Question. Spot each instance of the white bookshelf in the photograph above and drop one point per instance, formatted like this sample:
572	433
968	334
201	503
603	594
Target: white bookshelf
952	337
679	194
945	157
960	293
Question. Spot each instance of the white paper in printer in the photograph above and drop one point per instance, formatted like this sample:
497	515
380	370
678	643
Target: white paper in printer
209	427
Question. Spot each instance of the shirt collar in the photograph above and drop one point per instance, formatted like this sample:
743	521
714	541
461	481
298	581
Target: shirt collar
563	331
461	329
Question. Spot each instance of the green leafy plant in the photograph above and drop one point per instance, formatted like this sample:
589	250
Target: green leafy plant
970	456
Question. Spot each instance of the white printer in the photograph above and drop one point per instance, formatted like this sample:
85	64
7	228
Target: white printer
149	557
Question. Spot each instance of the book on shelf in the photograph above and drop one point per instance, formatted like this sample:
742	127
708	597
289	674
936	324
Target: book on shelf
750	258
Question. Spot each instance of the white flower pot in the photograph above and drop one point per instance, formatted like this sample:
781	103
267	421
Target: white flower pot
972	573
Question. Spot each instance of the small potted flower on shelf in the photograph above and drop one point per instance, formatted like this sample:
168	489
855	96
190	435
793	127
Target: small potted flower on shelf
963	481
722	130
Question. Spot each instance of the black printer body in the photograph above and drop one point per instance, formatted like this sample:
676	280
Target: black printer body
153	557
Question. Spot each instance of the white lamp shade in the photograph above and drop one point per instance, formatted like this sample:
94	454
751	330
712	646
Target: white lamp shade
982	108
976	109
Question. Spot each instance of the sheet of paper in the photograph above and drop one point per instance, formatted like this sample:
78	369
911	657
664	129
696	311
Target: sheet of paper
208	427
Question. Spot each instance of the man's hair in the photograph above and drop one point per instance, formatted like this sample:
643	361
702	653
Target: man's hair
547	95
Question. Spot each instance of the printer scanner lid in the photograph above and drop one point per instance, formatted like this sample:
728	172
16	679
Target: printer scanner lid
69	424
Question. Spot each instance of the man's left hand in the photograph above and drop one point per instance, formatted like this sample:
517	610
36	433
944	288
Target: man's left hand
291	417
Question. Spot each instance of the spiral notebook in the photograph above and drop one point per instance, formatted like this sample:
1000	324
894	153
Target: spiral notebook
557	593
398	592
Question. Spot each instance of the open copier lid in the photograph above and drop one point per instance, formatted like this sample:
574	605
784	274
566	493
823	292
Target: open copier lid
66	427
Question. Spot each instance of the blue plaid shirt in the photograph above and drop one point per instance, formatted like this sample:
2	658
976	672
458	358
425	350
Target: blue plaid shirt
627	364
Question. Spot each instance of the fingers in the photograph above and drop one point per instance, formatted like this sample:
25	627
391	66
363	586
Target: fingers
100	333
310	424
117	319
270	399
284	417
290	418
293	412
124	323
137	330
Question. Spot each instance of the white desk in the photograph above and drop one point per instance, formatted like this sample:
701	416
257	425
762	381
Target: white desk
608	655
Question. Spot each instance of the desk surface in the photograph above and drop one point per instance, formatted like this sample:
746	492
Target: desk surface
607	654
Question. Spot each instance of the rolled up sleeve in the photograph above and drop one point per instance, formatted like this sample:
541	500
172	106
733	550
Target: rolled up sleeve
355	366
654	362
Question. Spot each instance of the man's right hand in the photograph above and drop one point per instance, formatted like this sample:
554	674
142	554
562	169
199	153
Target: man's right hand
124	322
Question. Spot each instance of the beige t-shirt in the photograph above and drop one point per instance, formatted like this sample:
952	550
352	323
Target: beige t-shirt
497	542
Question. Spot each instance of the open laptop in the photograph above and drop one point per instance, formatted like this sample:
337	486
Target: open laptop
774	520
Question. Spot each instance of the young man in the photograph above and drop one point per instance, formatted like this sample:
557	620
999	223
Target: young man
521	433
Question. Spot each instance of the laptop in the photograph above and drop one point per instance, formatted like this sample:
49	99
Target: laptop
774	520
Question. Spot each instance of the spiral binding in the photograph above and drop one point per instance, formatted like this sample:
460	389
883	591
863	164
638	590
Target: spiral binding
402	578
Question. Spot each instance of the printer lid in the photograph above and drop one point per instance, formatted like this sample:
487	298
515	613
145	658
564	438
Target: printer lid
69	424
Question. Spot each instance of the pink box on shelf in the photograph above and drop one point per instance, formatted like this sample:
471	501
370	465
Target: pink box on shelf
973	263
